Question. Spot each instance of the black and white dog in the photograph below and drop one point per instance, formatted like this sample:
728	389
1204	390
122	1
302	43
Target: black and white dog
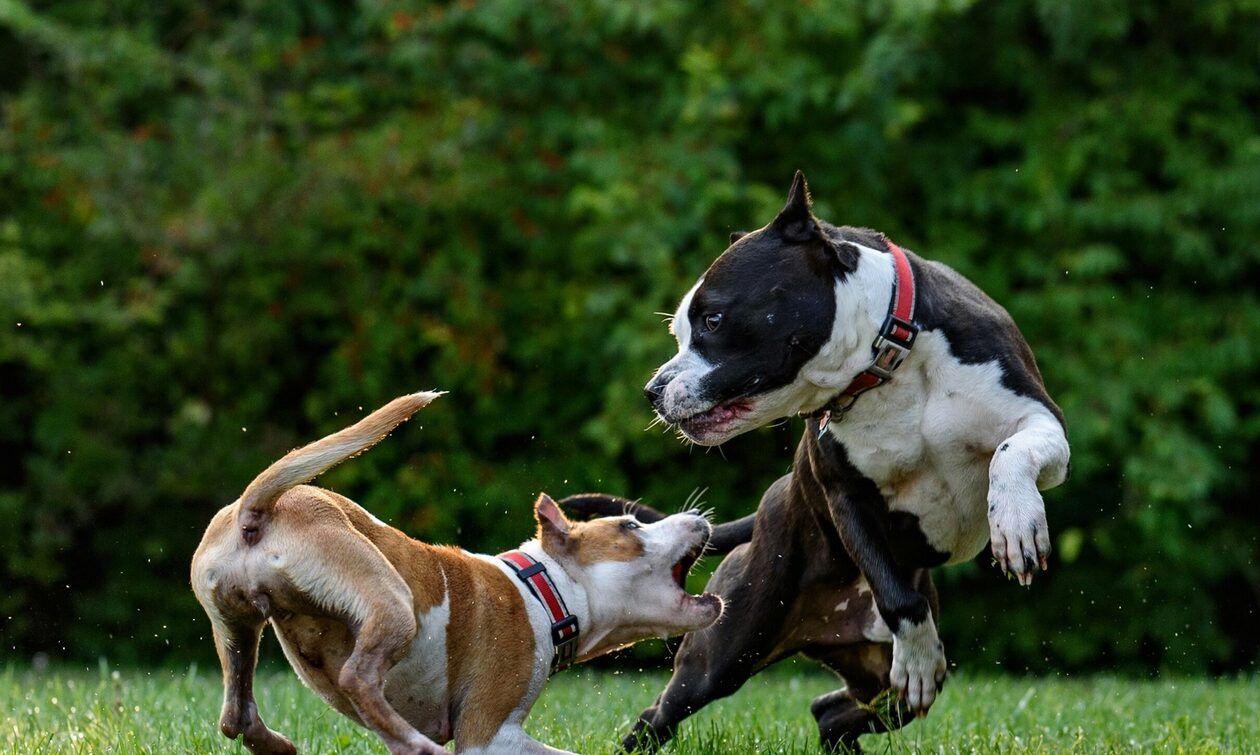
894	475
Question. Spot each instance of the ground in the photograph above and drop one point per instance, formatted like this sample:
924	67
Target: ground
102	710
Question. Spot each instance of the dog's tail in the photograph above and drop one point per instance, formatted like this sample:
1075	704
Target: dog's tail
308	462
725	536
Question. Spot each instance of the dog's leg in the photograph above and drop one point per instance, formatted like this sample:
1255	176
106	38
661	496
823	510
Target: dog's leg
382	640
861	707
918	663
237	644
342	571
510	738
1031	460
758	589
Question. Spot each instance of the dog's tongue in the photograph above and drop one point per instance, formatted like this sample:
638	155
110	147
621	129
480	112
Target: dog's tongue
678	574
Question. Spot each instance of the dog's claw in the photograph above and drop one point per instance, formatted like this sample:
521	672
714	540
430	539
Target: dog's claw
1020	538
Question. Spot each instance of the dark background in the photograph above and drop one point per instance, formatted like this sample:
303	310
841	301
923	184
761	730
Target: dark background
228	228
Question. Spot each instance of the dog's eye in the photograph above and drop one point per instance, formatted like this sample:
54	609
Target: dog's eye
713	321
629	524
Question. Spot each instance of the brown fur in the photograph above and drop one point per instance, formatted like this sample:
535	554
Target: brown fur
603	540
320	639
348	595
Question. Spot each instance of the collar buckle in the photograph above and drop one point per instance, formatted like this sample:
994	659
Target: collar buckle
564	636
889	349
892	345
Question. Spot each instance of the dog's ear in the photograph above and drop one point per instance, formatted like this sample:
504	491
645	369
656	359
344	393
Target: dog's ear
844	254
795	222
553	526
737	235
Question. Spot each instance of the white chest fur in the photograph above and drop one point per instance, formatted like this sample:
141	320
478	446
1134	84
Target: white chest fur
417	687
926	439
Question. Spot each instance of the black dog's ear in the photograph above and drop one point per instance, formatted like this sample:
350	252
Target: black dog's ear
795	222
737	235
590	505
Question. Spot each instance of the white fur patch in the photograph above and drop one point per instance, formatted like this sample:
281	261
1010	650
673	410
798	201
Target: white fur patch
681	395
513	739
417	686
918	663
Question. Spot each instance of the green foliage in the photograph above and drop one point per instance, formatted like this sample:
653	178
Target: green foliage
227	229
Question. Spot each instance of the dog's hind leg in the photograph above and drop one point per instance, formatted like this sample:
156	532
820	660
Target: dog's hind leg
863	706
237	643
349	577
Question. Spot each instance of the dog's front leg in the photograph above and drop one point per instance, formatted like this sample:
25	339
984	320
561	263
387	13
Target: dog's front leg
1033	459
918	662
510	738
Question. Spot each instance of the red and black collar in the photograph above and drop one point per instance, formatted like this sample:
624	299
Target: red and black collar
890	348
564	625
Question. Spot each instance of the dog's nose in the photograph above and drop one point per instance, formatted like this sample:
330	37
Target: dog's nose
654	390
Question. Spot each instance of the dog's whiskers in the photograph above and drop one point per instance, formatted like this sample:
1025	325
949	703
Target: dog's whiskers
694	498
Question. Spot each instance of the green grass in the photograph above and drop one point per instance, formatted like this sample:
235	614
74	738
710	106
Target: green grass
125	711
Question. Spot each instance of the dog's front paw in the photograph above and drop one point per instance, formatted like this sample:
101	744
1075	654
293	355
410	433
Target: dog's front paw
918	665
1019	533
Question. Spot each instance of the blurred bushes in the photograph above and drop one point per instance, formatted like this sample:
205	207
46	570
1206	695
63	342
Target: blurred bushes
228	228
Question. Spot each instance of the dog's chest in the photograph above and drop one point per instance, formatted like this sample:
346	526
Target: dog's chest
927	443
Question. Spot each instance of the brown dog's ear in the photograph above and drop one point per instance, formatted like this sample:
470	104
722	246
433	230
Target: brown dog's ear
553	527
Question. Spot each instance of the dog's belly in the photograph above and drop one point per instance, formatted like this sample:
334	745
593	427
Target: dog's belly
417	687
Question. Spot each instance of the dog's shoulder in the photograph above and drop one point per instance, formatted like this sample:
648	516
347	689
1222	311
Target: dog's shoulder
977	328
867	237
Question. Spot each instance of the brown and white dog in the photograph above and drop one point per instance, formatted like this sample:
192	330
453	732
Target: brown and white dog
426	644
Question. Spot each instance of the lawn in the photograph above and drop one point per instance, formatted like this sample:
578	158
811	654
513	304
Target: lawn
103	710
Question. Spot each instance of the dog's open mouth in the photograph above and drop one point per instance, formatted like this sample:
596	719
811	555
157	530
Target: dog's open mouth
722	413
683	566
706	603
681	569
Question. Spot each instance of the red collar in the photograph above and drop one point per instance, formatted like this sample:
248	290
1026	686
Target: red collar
890	348
564	625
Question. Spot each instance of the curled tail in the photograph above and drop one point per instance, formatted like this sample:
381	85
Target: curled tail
726	536
308	462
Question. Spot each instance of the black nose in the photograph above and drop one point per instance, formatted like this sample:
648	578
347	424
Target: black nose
654	390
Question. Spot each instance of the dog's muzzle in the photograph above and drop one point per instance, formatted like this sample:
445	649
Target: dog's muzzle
654	391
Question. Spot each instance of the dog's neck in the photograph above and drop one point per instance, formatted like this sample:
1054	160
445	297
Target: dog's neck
575	598
599	631
862	299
